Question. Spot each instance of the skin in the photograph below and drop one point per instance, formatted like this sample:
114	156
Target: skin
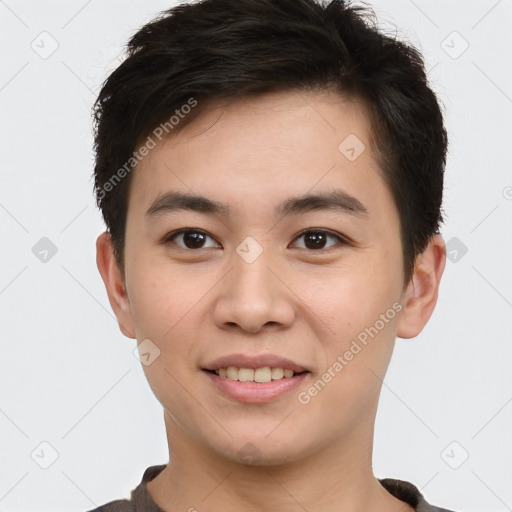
305	304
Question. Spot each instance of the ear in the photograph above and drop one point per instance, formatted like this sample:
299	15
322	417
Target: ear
114	283
420	298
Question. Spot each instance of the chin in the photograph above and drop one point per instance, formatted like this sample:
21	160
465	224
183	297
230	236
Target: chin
261	452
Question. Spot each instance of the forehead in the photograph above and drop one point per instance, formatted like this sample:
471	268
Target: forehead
264	148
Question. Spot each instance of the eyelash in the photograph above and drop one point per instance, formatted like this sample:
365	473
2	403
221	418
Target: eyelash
342	239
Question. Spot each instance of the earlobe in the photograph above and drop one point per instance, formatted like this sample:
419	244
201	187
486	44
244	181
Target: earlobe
114	284
420	298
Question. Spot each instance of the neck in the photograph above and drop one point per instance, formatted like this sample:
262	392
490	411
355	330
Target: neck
332	478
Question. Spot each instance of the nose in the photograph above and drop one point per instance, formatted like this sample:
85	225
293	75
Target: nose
253	296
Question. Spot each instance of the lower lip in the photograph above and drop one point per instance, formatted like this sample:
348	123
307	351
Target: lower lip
256	392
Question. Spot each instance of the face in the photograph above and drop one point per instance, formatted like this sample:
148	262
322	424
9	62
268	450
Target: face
258	270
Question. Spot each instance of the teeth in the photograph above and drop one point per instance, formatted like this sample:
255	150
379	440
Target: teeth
265	374
246	375
232	372
277	373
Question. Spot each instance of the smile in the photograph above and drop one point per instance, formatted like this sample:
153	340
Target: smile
241	384
265	374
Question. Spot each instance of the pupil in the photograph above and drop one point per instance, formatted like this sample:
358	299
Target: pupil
313	240
193	240
318	240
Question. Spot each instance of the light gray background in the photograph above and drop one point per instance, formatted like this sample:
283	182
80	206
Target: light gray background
69	378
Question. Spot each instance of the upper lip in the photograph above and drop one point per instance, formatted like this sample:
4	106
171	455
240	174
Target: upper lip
257	361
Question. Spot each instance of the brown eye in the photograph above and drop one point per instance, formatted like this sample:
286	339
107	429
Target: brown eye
317	239
190	239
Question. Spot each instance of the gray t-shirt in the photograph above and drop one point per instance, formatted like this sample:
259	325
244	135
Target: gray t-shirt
141	500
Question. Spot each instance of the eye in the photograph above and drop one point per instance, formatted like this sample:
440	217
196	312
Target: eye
316	239
191	238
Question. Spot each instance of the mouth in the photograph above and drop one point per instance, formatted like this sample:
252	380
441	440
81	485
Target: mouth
260	385
254	378
257	375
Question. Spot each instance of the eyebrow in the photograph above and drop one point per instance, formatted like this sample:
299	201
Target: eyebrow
334	200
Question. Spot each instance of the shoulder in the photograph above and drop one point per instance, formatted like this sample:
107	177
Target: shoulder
140	500
408	492
115	506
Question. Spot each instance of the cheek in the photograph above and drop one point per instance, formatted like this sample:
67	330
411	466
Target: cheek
161	297
355	317
355	354
165	304
347	300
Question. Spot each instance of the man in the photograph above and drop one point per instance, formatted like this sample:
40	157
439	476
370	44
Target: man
271	174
